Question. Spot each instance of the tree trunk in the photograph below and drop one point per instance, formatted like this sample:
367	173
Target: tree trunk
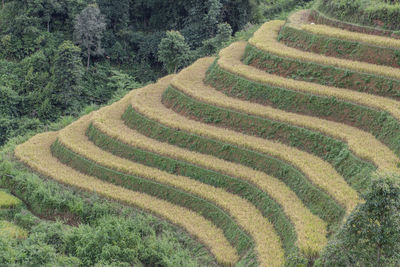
378	260
2	3
88	59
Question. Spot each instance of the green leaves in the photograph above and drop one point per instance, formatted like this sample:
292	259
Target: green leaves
173	51
371	235
65	88
88	30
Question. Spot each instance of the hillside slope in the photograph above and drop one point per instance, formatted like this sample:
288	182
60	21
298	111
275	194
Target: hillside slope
260	153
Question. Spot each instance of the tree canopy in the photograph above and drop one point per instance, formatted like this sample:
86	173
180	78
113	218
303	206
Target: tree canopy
88	30
173	51
371	235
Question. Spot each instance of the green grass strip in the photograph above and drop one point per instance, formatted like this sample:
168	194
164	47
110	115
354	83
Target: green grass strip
315	199
322	74
239	239
379	123
260	199
334	151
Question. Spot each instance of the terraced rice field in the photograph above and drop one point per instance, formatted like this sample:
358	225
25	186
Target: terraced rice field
9	229
250	152
8	201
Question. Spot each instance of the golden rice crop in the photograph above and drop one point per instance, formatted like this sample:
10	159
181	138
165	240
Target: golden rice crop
36	154
310	229
11	230
230	60
267	243
266	39
148	102
7	200
363	144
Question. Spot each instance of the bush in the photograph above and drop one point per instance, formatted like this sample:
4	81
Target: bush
371	235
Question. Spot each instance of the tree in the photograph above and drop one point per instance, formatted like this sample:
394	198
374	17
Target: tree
44	9
67	76
224	32
212	45
88	30
371	235
173	51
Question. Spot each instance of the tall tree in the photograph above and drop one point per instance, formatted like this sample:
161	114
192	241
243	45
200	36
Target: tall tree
212	45
67	76
44	9
173	51
9	101
88	30
371	235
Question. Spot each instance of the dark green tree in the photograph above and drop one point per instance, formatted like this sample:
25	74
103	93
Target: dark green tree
224	32
9	101
88	30
44	9
67	76
173	51
212	45
371	235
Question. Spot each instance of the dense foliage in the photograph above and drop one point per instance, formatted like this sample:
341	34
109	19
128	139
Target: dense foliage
173	51
371	235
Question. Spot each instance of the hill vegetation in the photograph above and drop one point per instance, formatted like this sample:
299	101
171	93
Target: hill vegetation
276	147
